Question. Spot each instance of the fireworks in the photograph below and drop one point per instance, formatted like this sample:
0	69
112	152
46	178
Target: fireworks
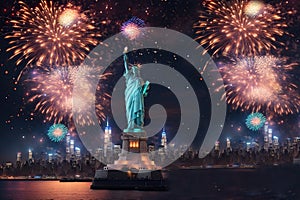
50	35
57	132
261	83
68	17
132	28
253	8
255	121
52	92
240	27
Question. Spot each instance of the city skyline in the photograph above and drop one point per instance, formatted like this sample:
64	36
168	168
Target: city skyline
111	99
109	150
22	128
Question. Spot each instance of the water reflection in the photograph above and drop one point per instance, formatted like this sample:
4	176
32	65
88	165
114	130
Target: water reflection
184	184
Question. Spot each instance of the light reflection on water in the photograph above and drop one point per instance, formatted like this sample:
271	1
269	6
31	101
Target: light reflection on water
212	184
42	190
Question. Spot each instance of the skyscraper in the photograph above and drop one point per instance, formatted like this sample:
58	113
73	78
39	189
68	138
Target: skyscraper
164	138
72	147
68	151
270	136
50	157
108	147
217	146
30	157
266	136
248	146
275	142
228	144
77	153
19	157
29	154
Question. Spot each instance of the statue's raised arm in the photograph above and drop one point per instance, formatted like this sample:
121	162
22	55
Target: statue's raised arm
125	59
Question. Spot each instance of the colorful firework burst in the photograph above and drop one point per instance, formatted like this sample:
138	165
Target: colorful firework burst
52	35
240	27
253	8
57	132
255	121
52	91
68	17
132	28
261	83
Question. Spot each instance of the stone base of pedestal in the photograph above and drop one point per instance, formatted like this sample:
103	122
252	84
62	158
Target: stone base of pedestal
133	162
133	170
120	180
134	155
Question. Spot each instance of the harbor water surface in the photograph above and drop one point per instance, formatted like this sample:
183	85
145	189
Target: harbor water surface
268	183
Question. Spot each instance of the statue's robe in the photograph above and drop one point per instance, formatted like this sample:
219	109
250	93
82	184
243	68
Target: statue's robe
134	99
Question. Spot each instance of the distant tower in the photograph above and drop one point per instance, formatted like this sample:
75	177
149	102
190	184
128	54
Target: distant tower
78	153
276	142
217	146
266	126
266	137
117	150
270	136
30	157
228	145
97	153
29	154
248	146
164	138
72	143
68	150
50	157
107	140
19	157
58	156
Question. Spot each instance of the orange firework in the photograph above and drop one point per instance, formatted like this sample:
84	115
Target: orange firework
52	93
240	27
68	17
50	35
261	83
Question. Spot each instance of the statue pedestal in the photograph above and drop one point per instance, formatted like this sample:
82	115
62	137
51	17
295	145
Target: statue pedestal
134	155
135	142
133	170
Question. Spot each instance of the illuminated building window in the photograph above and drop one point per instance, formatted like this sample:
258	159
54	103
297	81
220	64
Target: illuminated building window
134	144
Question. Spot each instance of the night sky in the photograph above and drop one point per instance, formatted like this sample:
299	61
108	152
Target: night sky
21	128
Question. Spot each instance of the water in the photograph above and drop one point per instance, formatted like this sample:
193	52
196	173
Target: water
47	190
184	184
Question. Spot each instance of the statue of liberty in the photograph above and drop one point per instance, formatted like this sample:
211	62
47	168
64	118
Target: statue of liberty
135	92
